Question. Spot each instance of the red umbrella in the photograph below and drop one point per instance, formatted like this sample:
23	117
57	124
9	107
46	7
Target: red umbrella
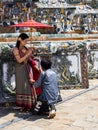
32	23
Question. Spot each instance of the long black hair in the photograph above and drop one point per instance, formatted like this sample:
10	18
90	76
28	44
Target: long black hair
22	36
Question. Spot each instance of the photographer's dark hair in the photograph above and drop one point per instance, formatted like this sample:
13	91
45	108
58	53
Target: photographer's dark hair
22	36
46	64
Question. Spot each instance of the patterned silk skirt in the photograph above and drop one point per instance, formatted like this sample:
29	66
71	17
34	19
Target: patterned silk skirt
25	93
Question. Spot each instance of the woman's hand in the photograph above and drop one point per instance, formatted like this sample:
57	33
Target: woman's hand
29	52
32	81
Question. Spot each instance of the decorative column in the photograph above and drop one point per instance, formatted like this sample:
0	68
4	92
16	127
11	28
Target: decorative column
84	68
1	83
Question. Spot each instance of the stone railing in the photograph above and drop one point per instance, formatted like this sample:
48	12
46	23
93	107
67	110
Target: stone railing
73	61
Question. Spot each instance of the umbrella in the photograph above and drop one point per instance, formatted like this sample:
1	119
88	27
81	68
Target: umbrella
32	24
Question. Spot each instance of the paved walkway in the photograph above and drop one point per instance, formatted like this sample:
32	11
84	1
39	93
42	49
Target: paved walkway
78	112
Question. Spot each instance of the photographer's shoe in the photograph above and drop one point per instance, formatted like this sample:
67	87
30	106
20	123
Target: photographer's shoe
52	114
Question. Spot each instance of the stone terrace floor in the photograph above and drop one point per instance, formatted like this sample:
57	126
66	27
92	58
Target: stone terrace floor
78	111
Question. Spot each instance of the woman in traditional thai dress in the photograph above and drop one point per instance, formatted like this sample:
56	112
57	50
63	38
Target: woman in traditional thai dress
25	94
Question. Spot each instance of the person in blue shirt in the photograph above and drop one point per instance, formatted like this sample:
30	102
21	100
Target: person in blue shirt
49	95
